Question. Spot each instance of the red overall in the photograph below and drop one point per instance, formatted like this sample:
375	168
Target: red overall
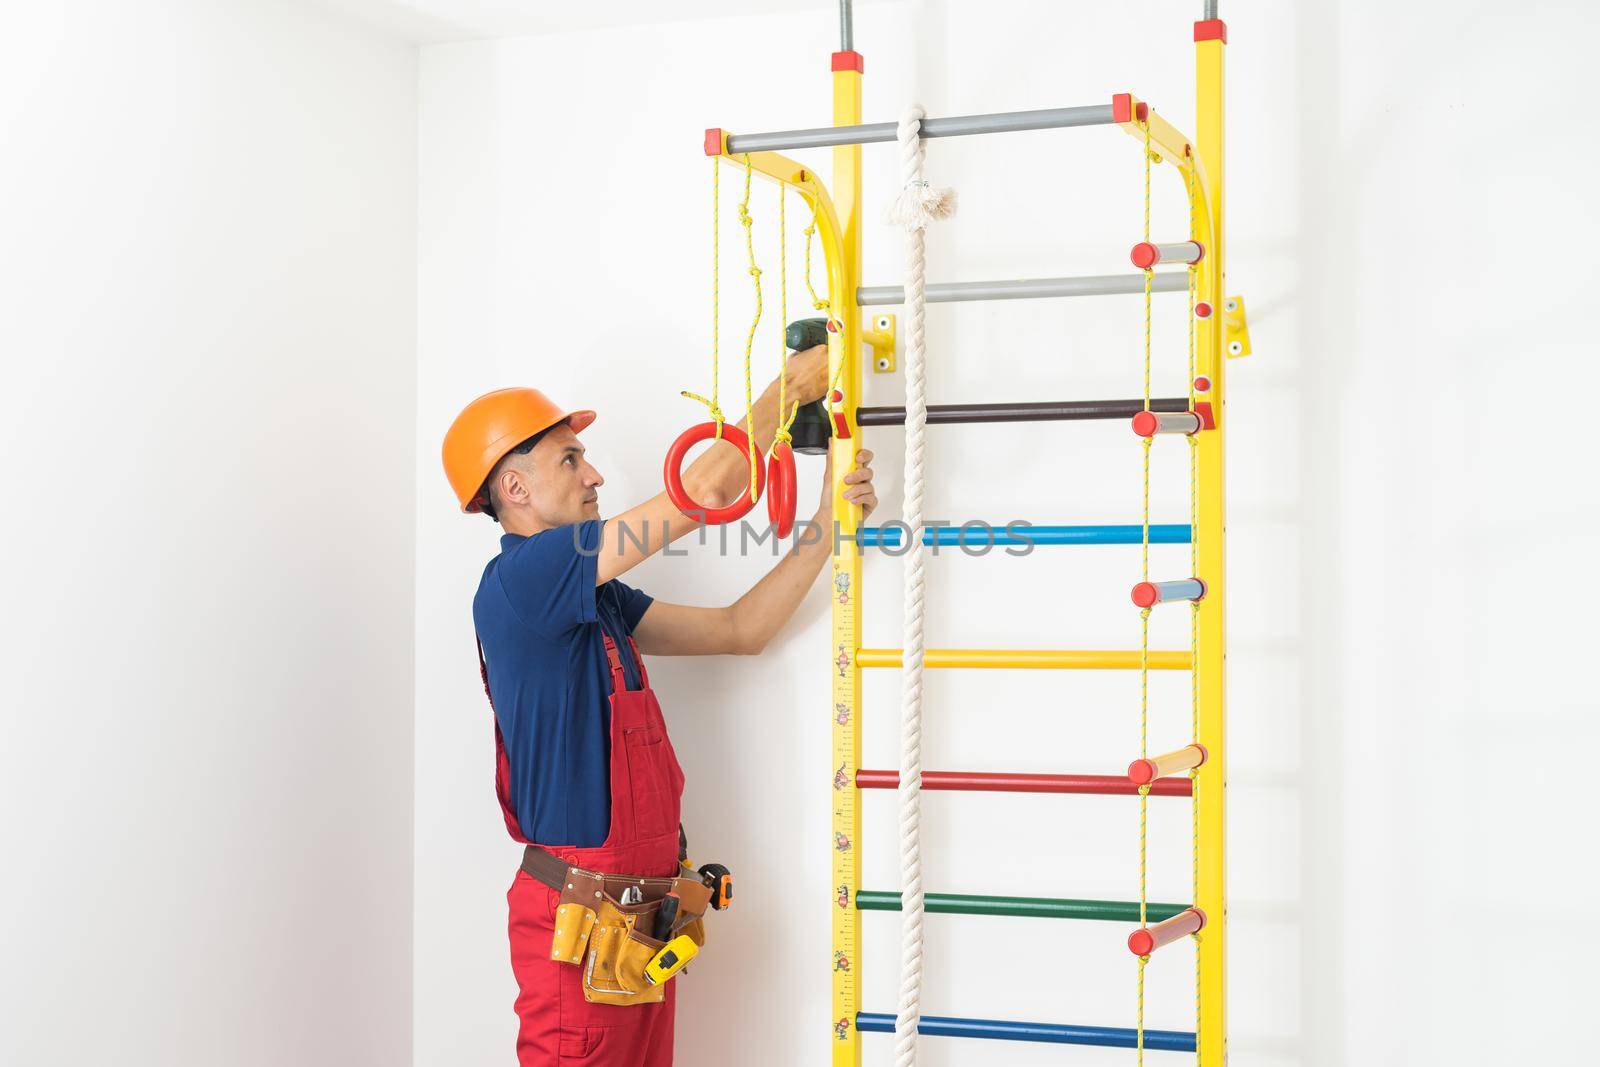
559	1027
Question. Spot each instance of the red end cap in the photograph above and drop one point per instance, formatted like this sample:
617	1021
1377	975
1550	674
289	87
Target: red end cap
1122	109
1202	310
853	61
1145	255
836	397
714	141
1211	30
1204	755
1202	917
1202	384
1146	595
1145	423
1140	943
1141	772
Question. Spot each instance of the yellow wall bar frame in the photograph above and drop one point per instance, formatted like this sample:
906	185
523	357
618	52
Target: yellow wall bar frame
844	366
1210	786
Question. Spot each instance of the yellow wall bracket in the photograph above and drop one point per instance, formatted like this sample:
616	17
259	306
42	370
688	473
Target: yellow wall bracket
1236	331
880	337
1167	142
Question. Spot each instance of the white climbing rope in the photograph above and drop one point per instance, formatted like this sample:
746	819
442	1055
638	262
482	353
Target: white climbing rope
916	205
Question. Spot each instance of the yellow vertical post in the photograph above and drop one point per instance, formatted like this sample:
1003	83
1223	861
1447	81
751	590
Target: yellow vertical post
1211	525
844	368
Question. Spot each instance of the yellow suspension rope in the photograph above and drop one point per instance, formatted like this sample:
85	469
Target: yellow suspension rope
819	304
781	433
716	296
716	284
750	339
1144	617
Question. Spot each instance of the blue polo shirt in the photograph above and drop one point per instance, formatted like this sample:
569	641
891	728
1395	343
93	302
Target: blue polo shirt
541	620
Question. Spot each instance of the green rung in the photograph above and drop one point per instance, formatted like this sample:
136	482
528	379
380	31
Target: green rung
1125	911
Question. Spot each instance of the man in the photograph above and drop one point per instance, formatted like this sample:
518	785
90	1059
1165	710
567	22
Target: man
585	771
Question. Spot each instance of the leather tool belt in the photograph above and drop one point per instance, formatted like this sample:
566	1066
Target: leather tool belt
611	940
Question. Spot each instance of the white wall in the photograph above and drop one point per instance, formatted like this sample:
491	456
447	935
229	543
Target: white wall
1403	506
206	294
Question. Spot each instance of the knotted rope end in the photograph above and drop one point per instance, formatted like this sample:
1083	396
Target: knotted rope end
920	203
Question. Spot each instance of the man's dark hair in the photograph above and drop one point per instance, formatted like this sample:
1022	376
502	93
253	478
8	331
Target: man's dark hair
486	495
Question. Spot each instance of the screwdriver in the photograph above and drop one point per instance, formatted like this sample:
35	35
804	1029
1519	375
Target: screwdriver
665	914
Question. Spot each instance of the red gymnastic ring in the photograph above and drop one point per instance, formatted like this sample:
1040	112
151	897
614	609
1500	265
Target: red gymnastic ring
673	473
781	488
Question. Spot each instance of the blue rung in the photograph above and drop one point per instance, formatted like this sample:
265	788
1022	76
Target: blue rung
978	536
872	1022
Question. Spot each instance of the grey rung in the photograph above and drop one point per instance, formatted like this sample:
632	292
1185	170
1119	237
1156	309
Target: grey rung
1054	118
1030	289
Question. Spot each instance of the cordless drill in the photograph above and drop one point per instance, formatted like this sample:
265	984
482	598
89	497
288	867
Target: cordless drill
812	427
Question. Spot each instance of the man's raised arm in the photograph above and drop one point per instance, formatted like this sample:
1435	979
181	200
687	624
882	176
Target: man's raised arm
714	480
744	627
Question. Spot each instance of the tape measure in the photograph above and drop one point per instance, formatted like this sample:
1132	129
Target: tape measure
674	957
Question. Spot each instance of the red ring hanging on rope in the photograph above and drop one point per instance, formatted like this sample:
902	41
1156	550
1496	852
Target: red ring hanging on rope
781	489
673	472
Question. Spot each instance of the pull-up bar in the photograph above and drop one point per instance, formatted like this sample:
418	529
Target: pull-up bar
1022	907
1030	288
1054	118
1108	785
1032	659
980	535
1051	1033
1025	411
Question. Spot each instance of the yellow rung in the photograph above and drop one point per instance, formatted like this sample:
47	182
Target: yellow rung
1029	658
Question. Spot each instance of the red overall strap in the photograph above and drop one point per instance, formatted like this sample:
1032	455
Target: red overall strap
619	683
619	677
502	762
483	672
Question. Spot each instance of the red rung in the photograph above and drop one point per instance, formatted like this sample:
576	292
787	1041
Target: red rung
977	781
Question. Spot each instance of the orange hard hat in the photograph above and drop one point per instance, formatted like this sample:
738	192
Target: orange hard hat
491	426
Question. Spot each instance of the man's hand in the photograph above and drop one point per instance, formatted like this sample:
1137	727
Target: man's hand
806	375
859	488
